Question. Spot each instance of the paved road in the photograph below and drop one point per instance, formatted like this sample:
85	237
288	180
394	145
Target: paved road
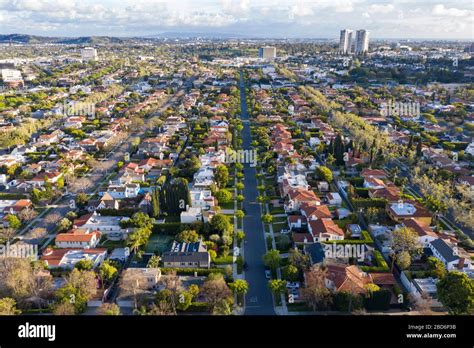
258	300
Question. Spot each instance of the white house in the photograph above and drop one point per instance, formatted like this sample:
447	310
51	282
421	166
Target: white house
78	238
67	258
314	142
192	214
108	225
425	234
334	198
452	256
202	199
123	191
470	149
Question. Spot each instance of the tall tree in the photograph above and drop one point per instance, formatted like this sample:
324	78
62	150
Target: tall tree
419	147
339	150
221	175
8	306
315	292
272	259
176	195
215	291
277	286
456	292
405	243
155	203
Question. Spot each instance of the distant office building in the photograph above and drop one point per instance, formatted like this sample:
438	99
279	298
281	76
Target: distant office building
345	41
12	78
362	41
88	54
469	48
267	52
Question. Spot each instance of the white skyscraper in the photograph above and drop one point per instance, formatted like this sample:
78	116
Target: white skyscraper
362	41
88	53
267	52
345	41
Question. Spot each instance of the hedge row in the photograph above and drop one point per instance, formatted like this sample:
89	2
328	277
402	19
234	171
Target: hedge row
167	228
118	212
5	195
366	239
198	307
191	271
357	181
380	261
369	202
362	192
381	264
224	260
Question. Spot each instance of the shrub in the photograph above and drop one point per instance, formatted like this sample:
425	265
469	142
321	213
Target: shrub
362	192
240	264
224	260
357	181
366	239
378	300
342	300
167	228
190	271
117	212
368	202
197	307
4	195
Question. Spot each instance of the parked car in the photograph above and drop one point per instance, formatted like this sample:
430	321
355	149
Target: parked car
268	274
295	294
293	285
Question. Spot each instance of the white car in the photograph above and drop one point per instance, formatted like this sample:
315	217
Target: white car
294	293
293	285
268	274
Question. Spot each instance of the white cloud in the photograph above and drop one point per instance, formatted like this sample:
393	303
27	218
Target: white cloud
441	10
260	17
381	8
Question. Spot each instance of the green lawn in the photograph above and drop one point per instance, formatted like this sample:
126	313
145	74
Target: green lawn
276	210
228	205
278	227
111	244
279	219
173	218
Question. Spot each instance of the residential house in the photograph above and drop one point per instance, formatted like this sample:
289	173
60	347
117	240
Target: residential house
453	258
425	233
107	225
202	199
78	238
190	215
296	197
345	278
405	210
68	257
108	202
325	230
334	198
187	255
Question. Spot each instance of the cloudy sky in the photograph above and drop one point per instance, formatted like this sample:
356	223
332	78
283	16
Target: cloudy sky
257	18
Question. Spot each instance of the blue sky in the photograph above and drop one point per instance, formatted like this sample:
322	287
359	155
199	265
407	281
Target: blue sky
260	18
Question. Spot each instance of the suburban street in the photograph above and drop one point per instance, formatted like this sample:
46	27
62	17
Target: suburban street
258	299
62	205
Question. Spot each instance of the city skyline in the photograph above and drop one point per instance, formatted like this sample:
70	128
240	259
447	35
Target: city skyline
243	18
